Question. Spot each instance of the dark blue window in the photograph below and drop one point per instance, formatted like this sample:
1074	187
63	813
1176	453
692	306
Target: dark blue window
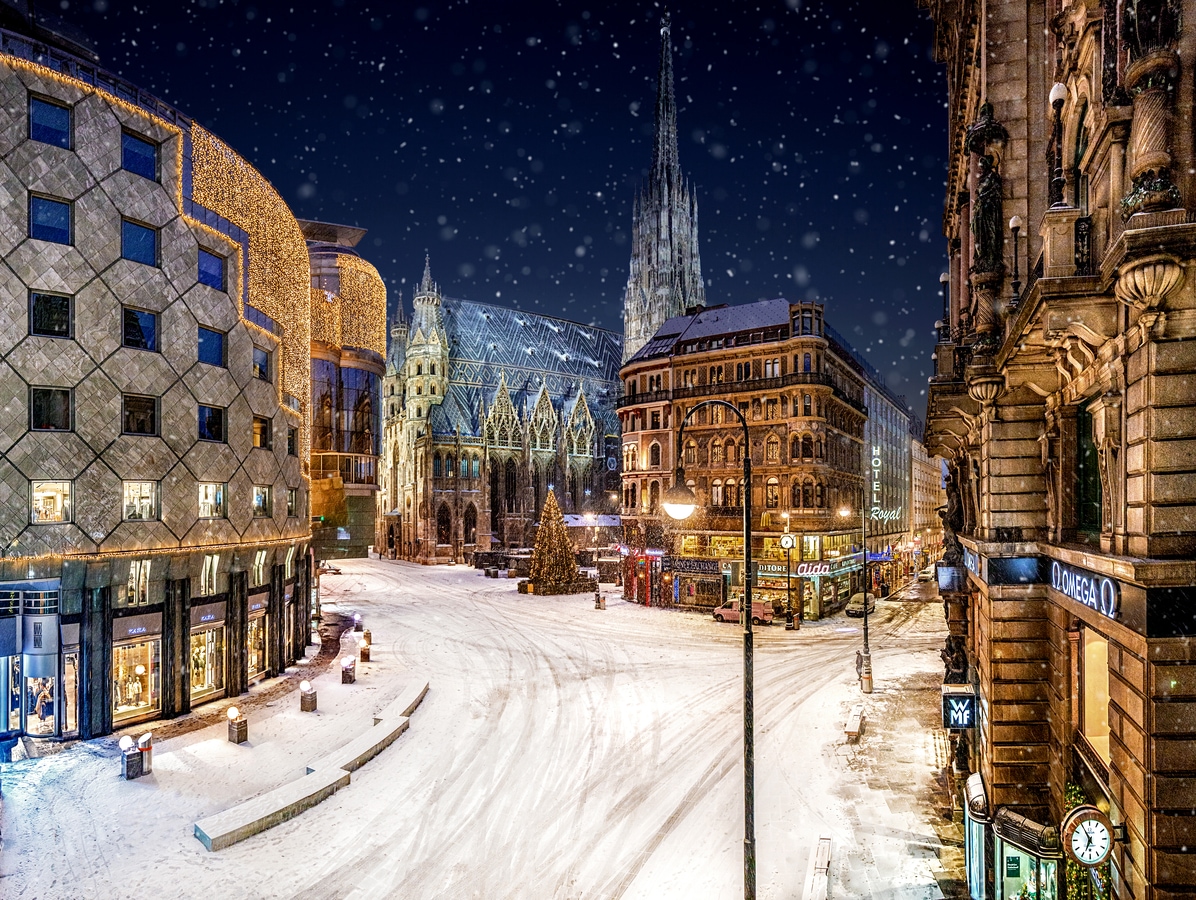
49	315
211	423
50	220
261	363
211	347
211	269
138	243
140	329
139	156
49	123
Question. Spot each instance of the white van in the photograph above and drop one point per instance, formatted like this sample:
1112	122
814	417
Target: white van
729	612
855	606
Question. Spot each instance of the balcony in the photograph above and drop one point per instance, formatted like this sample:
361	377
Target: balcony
756	385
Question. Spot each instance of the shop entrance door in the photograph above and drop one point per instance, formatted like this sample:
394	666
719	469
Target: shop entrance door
39	706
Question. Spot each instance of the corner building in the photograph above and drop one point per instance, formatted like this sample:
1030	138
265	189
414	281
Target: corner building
801	391
154	367
1062	401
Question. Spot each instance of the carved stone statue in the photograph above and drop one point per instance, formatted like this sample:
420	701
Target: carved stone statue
987	218
955	661
1150	25
952	517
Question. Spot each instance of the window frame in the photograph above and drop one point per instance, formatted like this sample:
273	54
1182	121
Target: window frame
222	487
70	218
70	314
68	505
256	370
70	120
124	415
223	439
70	407
267	491
292	502
157	254
124	328
156	508
263	439
153	145
223	364
292	441
223	286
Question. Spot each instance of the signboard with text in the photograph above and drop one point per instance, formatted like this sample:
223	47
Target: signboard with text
959	706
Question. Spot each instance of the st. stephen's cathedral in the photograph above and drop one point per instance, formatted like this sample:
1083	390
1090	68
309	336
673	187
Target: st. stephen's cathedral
485	409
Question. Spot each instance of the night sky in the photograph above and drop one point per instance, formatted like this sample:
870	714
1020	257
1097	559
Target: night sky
507	140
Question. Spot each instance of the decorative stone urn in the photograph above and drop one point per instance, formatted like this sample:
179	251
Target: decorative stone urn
1144	283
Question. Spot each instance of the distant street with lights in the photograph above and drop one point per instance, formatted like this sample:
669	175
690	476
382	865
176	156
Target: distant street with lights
561	751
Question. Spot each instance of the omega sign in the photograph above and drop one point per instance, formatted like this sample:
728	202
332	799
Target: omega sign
1095	591
878	514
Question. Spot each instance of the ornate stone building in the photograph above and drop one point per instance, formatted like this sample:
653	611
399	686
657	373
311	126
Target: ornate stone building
801	390
665	276
154	367
1062	401
486	409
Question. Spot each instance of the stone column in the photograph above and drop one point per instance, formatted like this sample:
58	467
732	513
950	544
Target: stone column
95	695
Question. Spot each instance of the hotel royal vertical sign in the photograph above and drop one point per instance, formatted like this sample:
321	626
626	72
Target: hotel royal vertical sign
878	513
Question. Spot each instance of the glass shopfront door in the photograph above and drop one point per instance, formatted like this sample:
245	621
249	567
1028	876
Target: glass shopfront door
207	662
1021	875
12	693
256	645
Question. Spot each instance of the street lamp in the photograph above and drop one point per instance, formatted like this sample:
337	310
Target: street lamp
1015	226
787	544
866	656
1057	97
679	502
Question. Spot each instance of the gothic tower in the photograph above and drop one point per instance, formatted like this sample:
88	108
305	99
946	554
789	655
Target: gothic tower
666	272
427	350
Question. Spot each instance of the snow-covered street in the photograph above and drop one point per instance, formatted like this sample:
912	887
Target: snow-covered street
561	751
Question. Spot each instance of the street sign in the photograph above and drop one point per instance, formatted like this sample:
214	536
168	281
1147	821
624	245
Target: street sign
959	706
788	541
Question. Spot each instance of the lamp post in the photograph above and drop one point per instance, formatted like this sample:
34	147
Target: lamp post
1057	96
866	655
679	502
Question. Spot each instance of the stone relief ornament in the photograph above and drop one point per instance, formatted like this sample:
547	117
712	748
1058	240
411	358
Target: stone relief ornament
988	218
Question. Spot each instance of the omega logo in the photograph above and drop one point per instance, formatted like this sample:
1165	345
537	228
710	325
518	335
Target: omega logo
1094	591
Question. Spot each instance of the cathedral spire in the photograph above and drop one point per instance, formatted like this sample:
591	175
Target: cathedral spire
665	273
666	167
427	285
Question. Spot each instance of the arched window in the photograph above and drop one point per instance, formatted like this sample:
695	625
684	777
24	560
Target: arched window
716	493
654	497
448	466
795	494
772	449
691	453
807	494
807	446
511	479
772	494
805	365
818	449
654	456
755	409
419	390
419	369
716	453
432	390
634	494
806	407
716	415
477	464
432	369
444	525
464	466
471	525
729	493
795	447
436	465
819	496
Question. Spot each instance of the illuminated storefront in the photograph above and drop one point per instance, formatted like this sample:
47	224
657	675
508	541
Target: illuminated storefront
136	667
256	656
207	661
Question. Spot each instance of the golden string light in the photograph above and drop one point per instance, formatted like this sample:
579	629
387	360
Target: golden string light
363	304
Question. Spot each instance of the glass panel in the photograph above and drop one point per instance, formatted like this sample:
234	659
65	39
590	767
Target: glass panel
135	677
141	500
49	315
49	220
13	685
39	711
139	156
261	364
261	500
68	693
140	415
974	858
1048	879
255	646
261	433
207	662
211	501
140	329
138	243
51	502
1095	681
211	346
211	423
211	270
50	409
1088	487
49	123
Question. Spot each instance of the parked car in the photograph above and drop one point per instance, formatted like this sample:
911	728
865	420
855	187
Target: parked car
729	612
927	574
855	606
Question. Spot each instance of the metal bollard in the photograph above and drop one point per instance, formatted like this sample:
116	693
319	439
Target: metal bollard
145	746
348	670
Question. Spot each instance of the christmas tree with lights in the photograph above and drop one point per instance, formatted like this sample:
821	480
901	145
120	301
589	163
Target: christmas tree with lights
554	568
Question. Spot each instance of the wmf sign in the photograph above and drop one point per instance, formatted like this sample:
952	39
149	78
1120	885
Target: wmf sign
959	706
879	513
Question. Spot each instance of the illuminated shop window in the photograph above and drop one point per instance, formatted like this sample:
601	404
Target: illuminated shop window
258	573
207	575
137	589
263	500
50	502
211	500
140	500
135	680
262	433
1094	688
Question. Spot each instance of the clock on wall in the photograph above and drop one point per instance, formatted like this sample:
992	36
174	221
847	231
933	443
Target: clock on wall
1087	835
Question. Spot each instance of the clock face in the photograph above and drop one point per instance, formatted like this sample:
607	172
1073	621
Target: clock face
1091	842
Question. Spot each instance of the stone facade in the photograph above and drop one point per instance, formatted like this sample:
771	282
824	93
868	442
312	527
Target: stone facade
1062	401
154	375
801	391
927	497
485	410
665	274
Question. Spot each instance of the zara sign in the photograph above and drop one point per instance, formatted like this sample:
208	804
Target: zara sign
1093	590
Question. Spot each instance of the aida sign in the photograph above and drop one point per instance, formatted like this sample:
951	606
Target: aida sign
1094	591
878	513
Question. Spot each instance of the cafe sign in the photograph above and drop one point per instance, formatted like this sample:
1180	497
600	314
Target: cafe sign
1093	590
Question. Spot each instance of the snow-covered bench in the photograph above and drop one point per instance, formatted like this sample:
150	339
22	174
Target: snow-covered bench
819	871
855	723
269	809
